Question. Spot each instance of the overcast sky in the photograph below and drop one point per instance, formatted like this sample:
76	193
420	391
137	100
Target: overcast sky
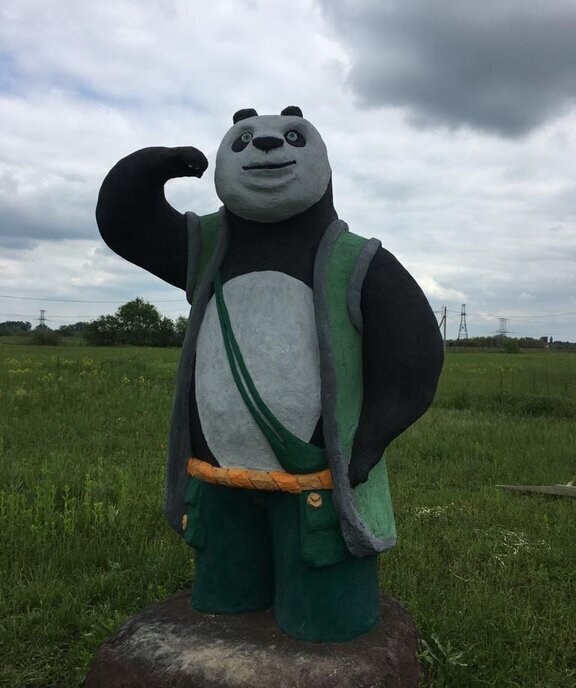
450	125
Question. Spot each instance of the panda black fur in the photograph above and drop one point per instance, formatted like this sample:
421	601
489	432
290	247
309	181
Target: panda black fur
401	346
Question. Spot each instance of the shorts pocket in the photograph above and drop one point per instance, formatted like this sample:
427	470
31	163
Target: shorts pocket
194	531
321	535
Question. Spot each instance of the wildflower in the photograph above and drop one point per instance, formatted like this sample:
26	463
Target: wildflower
433	511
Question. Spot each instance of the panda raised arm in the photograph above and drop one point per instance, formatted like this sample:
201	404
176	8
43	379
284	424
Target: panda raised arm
134	217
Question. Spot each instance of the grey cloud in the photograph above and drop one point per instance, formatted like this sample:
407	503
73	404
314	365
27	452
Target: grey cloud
501	66
20	228
15	243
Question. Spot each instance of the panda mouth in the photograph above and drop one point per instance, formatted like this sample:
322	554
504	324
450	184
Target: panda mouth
269	166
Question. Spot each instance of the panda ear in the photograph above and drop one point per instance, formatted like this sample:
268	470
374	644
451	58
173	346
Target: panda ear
244	114
292	110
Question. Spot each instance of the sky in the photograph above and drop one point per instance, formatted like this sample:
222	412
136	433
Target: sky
450	127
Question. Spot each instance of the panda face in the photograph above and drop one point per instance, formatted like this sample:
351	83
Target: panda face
272	167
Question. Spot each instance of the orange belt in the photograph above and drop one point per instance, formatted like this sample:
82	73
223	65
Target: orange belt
260	480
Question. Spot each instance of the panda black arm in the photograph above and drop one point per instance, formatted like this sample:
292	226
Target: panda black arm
402	359
134	217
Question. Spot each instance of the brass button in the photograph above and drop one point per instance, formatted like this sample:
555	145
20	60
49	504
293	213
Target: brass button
314	500
184	521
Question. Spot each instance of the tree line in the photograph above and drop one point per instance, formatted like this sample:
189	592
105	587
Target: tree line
139	323
136	323
510	344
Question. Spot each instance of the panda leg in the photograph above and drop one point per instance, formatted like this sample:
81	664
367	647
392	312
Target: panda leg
323	594
234	565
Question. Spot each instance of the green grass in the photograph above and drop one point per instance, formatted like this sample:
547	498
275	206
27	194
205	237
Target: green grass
489	576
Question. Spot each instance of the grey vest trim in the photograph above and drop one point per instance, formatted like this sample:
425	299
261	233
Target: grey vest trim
193	226
179	449
357	280
359	540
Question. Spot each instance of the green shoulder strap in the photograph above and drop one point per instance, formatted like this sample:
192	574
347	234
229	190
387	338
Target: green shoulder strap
294	455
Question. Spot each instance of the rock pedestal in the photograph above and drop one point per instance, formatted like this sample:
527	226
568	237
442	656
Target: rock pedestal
170	646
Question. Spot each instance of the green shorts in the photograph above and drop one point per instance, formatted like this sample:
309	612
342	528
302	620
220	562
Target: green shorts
257	549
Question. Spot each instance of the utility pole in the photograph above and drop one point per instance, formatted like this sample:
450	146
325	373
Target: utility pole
42	320
463	330
443	324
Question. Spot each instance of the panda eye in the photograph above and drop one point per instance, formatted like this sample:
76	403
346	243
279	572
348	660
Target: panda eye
295	138
241	142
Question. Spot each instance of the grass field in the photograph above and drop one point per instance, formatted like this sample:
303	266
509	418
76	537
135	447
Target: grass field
488	575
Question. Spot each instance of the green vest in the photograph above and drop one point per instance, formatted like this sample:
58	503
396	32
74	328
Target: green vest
342	260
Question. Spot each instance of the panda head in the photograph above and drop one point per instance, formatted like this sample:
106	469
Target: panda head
271	167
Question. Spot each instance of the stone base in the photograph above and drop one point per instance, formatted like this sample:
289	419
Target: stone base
170	646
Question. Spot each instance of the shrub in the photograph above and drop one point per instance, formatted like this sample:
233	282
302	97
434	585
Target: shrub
510	346
45	337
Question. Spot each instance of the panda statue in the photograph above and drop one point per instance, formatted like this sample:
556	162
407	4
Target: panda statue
308	350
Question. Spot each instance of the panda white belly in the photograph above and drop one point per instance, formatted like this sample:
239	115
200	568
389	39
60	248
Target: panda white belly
272	316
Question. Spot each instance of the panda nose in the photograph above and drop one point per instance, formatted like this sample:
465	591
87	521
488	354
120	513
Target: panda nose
267	143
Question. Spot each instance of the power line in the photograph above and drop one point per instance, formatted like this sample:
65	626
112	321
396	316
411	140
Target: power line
30	316
544	315
41	298
515	317
482	315
84	316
